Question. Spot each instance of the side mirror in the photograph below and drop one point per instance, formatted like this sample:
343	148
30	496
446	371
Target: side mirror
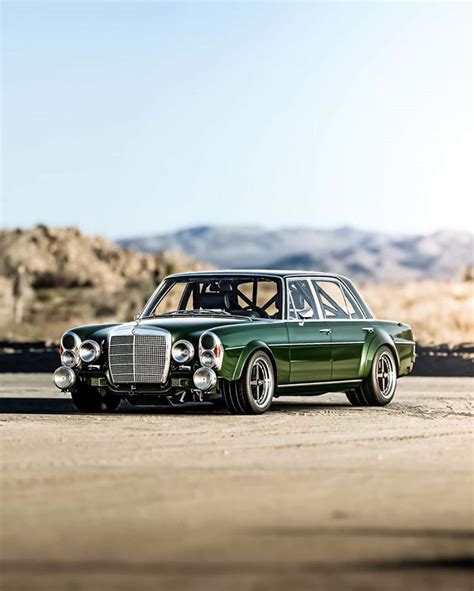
305	314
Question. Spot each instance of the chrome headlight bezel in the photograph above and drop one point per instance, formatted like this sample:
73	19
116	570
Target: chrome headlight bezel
204	378
64	378
182	351
209	342
208	359
70	358
89	351
76	341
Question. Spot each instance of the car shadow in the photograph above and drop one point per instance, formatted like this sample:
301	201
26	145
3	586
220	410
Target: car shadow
64	406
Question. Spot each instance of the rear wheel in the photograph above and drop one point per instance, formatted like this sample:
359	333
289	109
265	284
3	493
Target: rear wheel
378	389
90	400
252	394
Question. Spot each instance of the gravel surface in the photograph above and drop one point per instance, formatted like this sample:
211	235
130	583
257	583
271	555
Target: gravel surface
314	494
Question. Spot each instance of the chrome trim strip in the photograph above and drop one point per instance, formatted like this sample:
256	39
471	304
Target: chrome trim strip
312	344
404	342
134	339
321	383
302	344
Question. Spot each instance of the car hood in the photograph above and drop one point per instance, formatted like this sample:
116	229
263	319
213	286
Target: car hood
179	327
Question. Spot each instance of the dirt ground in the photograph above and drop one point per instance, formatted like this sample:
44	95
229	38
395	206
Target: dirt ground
315	494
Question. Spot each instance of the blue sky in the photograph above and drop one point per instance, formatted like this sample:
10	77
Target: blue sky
132	118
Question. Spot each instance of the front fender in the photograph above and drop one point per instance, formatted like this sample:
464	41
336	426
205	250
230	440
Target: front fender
235	359
379	338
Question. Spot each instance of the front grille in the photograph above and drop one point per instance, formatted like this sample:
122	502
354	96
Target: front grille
141	359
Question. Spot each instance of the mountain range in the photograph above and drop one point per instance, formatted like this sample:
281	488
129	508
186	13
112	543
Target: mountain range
360	254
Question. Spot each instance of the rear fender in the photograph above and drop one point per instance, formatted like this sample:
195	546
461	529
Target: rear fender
379	338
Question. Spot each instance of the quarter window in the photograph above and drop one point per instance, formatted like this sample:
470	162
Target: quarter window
336	302
300	297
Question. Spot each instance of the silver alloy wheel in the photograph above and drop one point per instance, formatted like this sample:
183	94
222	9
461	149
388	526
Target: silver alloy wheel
261	382
386	375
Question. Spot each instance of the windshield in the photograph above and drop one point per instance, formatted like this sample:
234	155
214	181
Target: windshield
253	297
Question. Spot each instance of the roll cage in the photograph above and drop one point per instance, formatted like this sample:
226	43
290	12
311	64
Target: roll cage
281	278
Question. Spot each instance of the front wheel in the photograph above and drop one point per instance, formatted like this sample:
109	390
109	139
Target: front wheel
253	393
90	400
378	389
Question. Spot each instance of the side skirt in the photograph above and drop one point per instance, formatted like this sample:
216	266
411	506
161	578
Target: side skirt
316	388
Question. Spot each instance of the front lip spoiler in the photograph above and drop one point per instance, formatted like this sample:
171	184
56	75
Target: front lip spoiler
132	389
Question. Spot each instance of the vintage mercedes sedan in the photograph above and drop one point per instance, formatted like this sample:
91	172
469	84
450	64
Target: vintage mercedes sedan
239	339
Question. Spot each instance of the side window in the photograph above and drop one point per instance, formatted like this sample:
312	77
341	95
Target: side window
300	297
335	302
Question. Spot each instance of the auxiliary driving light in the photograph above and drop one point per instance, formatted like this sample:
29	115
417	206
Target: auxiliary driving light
204	378
64	378
89	351
182	351
69	358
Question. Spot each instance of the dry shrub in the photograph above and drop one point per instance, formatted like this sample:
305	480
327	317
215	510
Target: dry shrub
438	312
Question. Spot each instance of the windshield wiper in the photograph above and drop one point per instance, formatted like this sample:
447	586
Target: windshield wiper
200	311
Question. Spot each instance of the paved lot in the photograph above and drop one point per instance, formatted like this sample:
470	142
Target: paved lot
314	494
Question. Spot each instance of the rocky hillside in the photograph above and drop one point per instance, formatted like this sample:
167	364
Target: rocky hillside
66	257
363	255
74	278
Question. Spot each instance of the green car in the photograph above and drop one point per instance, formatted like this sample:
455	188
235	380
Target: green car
239	339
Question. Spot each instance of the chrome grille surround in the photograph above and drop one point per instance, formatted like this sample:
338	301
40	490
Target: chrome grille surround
139	355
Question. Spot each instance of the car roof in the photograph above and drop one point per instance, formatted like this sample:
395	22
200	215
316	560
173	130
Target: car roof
257	273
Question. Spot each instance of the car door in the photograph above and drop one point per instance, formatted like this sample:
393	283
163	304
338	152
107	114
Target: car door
309	338
348	331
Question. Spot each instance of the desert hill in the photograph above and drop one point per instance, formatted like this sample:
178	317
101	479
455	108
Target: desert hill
67	257
74	278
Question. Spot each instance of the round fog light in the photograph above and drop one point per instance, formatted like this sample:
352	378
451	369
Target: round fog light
64	378
204	378
69	358
89	351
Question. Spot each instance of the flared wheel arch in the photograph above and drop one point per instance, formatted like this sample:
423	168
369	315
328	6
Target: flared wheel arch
249	350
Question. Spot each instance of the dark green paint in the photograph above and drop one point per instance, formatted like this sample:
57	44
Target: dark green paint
300	351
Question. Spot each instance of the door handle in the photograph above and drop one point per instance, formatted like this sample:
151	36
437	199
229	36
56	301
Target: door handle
368	329
325	330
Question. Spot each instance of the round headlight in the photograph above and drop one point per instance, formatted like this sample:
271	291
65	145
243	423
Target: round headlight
210	343
89	351
208	340
69	358
182	351
208	359
204	378
64	378
70	340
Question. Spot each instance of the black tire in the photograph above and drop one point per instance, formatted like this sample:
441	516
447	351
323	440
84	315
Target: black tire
89	400
219	403
378	389
253	393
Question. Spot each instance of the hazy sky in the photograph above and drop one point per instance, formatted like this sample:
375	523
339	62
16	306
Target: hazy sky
131	118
